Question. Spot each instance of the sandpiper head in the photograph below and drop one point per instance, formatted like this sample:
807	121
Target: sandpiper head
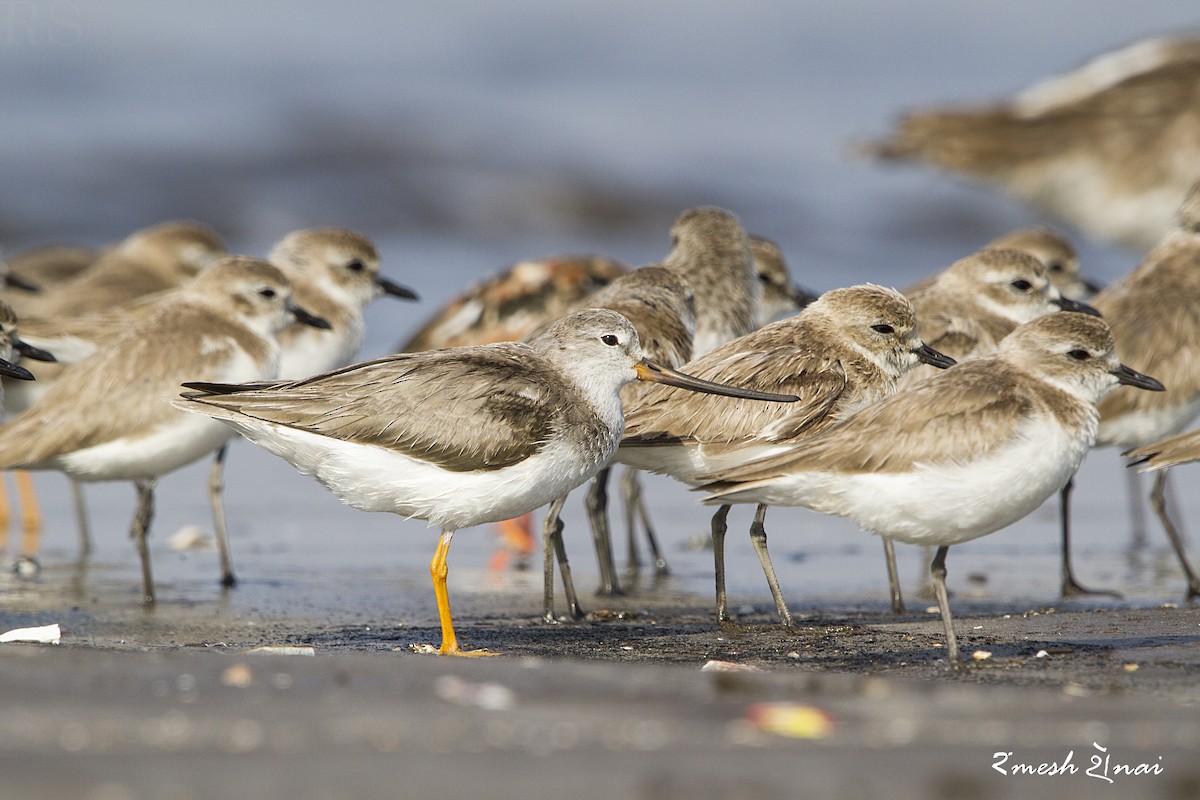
599	351
256	292
880	324
179	247
1012	284
1076	352
342	260
779	296
11	345
1057	253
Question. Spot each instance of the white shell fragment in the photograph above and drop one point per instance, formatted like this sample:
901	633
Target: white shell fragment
46	634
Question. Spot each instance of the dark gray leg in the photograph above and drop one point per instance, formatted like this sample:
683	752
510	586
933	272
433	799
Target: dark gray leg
141	527
1158	501
81	519
758	538
889	555
937	571
719	526
597	510
552	548
216	486
635	508
1069	587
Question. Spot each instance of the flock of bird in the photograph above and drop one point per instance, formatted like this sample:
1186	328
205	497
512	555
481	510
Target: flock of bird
132	361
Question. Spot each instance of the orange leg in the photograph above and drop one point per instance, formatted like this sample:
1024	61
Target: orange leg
516	540
5	515
31	517
439	571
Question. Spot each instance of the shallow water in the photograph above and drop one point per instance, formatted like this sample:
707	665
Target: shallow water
464	139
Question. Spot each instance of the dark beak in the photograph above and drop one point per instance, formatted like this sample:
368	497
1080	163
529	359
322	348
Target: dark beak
801	297
17	282
395	289
933	358
29	351
1067	304
306	318
10	370
1131	377
647	370
1090	285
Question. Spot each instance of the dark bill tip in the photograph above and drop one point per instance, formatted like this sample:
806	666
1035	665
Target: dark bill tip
647	370
801	297
1067	304
1131	377
934	358
29	351
395	289
11	370
307	318
24	284
1092	286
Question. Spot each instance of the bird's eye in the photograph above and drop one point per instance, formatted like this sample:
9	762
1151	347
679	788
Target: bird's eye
609	340
267	293
1054	266
356	266
1080	355
1022	285
764	278
883	328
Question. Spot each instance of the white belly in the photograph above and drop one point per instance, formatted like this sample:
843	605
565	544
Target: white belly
940	505
373	478
149	455
1138	428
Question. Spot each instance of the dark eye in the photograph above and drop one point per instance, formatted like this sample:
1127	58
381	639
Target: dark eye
1080	355
609	340
268	293
1022	285
356	266
883	328
1054	266
763	278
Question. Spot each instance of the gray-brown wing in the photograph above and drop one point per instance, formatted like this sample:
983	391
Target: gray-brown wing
669	416
464	409
959	415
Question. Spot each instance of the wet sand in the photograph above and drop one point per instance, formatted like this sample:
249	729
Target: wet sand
139	703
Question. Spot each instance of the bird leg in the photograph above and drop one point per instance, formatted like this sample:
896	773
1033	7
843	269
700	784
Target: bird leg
216	485
937	571
81	518
635	507
758	538
439	571
1069	586
139	530
552	547
31	517
889	555
1158	501
597	510
719	526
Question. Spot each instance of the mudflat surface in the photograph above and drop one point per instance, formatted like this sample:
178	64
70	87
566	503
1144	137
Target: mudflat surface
855	702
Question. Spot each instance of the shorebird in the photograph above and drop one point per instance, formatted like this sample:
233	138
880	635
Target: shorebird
13	348
843	352
966	309
659	303
334	274
154	259
221	327
1057	253
965	453
46	267
11	345
1153	314
1109	148
457	437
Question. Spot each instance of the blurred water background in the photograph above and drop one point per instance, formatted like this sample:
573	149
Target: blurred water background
464	136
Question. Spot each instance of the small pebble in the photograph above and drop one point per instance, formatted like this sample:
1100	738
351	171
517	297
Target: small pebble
981	655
